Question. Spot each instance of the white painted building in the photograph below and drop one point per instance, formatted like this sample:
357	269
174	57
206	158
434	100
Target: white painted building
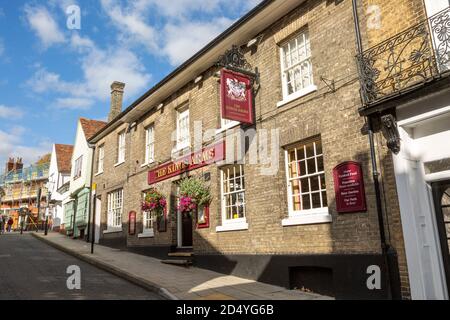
59	175
76	207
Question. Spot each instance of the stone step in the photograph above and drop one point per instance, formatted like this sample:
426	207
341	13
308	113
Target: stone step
181	254
185	263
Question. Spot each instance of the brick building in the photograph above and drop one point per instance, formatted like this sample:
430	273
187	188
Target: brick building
404	68
278	226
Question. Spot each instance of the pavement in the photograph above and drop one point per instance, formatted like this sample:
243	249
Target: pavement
173	282
32	270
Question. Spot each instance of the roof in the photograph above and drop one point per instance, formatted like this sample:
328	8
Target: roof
265	13
91	127
63	157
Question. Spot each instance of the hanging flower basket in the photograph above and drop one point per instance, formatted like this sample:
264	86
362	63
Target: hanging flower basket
194	194
154	202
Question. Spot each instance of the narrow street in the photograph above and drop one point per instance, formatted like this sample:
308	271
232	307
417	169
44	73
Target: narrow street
30	269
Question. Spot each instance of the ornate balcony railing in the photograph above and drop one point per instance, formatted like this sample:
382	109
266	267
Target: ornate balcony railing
413	57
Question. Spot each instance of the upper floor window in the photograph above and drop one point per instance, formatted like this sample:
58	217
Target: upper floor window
296	67
100	159
121	147
183	135
149	144
78	167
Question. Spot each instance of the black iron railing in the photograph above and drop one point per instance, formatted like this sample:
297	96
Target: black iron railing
412	57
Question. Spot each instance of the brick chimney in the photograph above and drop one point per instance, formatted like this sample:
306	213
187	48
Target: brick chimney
19	164
116	99
9	165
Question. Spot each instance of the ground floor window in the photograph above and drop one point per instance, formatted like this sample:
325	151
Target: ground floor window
233	198
306	182
115	209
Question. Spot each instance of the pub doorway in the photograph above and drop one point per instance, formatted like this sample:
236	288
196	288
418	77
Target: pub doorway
441	195
184	224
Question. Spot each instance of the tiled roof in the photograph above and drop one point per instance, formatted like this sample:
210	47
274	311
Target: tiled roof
63	157
91	127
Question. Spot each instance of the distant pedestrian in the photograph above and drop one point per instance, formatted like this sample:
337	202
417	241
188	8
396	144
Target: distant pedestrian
10	223
2	224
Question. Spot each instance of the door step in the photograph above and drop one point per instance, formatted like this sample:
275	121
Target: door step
184	262
181	254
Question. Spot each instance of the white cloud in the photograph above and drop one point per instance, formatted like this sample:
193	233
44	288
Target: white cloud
100	68
195	36
12	146
10	112
44	25
130	20
2	47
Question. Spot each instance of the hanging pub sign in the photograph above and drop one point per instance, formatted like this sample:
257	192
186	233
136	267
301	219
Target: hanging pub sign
196	160
349	188
132	223
236	96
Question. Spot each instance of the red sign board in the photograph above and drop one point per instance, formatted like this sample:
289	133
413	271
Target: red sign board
236	96
349	188
132	223
206	156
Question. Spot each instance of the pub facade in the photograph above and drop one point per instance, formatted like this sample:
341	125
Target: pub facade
266	117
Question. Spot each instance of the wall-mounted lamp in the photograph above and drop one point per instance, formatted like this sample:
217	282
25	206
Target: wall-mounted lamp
252	42
159	107
198	79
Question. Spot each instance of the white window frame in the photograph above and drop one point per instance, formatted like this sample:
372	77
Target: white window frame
121	147
238	223
147	217
100	159
304	90
309	216
78	168
149	144
115	210
183	133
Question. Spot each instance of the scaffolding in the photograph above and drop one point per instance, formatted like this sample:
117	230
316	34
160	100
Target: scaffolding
21	187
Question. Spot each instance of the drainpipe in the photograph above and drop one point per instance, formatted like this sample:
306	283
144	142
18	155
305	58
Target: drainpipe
91	146
388	253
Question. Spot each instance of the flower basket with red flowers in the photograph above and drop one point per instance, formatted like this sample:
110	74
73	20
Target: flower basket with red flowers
154	202
194	194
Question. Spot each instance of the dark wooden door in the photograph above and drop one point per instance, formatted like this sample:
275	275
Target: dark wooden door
186	231
441	194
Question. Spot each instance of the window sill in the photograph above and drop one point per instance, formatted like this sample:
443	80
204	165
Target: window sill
147	164
232	227
228	127
146	234
304	219
112	230
98	173
297	95
119	163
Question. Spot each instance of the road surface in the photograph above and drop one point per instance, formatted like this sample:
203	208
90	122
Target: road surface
33	270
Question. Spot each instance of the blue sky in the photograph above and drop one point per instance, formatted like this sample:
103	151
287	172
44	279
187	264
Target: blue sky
51	75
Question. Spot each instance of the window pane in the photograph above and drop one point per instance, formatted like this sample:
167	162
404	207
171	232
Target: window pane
305	185
320	166
311	166
316	200
310	150
314	183
295	187
324	199
306	202
302	168
297	203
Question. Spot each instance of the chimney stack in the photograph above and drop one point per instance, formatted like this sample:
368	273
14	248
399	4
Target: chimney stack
116	99
10	165
19	164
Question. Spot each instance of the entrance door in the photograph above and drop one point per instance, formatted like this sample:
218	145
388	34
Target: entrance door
184	225
441	193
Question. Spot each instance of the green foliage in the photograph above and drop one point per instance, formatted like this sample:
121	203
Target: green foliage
197	189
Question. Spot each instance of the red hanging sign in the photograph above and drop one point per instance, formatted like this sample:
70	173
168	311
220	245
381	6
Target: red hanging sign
206	156
349	188
236	96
